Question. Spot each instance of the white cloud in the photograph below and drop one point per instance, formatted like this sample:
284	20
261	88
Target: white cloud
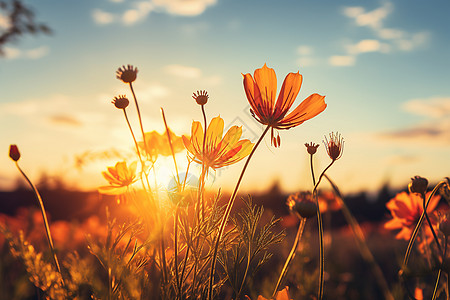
434	107
139	11
137	14
392	39
36	53
342	60
183	7
306	61
102	17
368	45
4	21
305	50
372	18
183	71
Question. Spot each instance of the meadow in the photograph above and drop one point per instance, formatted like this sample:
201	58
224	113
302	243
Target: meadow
133	239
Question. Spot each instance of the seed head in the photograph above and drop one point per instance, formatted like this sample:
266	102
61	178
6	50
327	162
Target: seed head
14	152
334	146
201	97
120	101
127	74
311	148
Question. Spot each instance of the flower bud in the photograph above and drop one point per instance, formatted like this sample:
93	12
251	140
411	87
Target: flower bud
302	204
418	185
127	74
14	152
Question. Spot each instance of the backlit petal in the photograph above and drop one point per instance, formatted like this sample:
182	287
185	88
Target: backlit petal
266	80
288	93
214	133
253	94
309	108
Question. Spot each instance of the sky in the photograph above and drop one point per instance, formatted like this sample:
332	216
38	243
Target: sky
382	65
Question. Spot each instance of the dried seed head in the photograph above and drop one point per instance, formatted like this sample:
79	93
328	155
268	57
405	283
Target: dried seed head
334	146
201	97
120	102
311	148
418	185
127	74
14	152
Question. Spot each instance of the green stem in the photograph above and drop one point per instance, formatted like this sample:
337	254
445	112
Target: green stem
291	256
44	217
227	214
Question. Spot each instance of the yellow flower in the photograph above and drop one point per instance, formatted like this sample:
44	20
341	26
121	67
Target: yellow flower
119	177
261	90
219	152
158	144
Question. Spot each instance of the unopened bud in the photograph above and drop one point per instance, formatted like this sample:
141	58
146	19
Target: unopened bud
14	152
418	185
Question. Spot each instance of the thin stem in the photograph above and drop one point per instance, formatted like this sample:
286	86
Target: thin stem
361	242
176	251
227	214
291	256
202	181
134	137
138	113
431	226
312	169
171	145
416	229
320	229
44	217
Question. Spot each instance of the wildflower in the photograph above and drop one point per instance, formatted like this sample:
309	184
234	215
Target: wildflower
334	146
219	152
158	144
119	177
261	91
120	102
280	295
311	148
201	97
14	152
406	210
418	185
301	203
127	74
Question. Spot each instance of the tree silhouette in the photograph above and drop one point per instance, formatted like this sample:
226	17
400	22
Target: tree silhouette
20	20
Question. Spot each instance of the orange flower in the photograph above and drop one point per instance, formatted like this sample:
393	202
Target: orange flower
119	177
406	210
280	295
158	144
219	152
261	91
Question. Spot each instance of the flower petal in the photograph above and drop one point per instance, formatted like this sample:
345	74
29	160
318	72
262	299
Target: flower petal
288	93
309	108
266	79
253	95
214	133
112	190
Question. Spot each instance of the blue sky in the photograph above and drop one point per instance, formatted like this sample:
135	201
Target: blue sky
383	66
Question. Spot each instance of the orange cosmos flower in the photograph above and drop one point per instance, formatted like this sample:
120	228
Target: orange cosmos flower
119	177
219	152
158	144
261	91
280	295
406	209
